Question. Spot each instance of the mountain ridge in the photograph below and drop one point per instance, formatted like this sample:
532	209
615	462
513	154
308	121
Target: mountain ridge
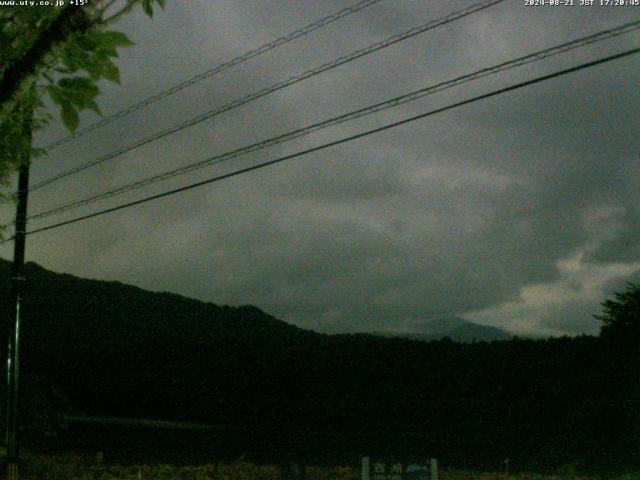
433	329
455	328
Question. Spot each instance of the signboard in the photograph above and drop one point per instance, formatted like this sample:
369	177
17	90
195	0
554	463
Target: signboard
373	469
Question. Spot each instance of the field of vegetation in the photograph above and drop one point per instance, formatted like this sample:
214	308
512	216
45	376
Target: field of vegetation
79	467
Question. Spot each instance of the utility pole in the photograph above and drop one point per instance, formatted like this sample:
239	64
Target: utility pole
17	287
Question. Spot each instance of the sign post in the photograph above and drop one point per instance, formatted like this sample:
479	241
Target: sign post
393	470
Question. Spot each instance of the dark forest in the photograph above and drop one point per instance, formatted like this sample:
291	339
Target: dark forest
271	390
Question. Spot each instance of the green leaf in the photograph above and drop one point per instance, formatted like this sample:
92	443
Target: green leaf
38	152
110	71
87	42
79	91
110	40
77	83
79	86
92	105
68	59
69	116
147	7
94	70
56	94
80	58
162	3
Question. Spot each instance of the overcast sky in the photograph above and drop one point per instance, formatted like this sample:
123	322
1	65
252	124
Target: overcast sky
520	211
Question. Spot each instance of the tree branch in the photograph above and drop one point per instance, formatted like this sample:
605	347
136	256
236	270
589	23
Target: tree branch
15	79
127	8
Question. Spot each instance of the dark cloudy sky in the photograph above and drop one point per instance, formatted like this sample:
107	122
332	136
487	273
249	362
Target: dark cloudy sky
521	211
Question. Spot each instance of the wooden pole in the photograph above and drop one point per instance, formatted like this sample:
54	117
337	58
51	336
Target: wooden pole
17	288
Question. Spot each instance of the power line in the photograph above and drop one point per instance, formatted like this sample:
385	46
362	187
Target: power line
276	87
525	60
340	141
215	70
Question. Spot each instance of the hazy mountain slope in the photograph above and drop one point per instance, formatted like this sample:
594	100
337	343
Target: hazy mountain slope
455	328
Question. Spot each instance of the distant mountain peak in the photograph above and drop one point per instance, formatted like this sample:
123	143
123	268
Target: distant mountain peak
438	324
452	326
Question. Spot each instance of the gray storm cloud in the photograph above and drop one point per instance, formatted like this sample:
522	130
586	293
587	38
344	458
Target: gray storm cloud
471	212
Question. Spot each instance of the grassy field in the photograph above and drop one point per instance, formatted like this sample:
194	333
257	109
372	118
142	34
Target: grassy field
77	467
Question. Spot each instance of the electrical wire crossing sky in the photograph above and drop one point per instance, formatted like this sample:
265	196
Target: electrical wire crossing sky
412	96
340	141
345	59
